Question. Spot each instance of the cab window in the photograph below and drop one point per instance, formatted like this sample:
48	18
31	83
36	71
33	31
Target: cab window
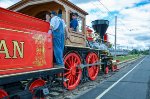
80	24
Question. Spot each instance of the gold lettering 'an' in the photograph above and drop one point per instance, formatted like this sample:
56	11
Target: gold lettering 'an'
4	50
18	48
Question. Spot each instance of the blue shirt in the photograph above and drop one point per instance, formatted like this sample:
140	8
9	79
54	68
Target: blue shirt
74	24
55	21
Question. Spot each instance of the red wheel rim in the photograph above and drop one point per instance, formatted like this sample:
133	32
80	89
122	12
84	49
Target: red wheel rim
3	94
72	73
92	70
35	84
106	70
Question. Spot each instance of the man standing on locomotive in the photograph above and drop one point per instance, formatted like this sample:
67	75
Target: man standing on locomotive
57	27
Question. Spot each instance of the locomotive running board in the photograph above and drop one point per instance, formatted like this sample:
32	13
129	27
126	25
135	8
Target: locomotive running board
87	65
32	74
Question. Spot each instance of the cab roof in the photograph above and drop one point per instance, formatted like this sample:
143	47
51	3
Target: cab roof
23	2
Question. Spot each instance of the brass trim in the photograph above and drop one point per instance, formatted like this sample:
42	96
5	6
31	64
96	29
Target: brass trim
11	69
19	31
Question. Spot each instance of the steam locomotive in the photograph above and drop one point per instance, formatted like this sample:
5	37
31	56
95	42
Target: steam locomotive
26	50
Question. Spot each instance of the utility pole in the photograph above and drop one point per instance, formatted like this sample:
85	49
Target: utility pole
149	50
115	34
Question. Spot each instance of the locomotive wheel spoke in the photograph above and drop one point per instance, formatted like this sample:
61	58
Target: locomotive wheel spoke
68	76
75	60
78	72
67	69
74	78
92	70
68	65
69	82
68	73
71	61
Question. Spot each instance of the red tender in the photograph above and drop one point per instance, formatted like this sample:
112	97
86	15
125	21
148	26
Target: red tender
25	44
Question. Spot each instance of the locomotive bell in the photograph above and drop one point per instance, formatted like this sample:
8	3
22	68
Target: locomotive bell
100	26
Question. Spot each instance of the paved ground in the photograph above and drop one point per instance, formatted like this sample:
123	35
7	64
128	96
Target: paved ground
133	82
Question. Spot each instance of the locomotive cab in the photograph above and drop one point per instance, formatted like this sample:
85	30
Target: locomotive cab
39	9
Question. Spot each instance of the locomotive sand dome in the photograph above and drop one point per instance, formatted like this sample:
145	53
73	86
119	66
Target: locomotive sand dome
26	51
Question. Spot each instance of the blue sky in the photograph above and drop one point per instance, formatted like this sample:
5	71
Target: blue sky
133	19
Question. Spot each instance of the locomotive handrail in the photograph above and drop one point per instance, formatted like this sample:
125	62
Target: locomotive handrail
77	46
81	47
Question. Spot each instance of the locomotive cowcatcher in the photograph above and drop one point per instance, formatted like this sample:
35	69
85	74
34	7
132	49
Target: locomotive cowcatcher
26	50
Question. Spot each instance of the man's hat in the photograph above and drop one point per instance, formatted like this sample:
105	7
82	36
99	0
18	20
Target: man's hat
75	14
53	12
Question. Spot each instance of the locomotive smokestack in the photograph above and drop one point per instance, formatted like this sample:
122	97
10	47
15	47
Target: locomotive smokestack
100	26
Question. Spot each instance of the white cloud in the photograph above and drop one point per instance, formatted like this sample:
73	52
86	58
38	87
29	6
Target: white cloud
119	4
7	3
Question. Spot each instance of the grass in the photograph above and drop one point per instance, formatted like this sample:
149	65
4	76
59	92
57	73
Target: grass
124	58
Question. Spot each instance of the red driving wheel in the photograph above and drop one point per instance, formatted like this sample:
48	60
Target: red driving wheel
3	94
92	70
72	72
35	84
